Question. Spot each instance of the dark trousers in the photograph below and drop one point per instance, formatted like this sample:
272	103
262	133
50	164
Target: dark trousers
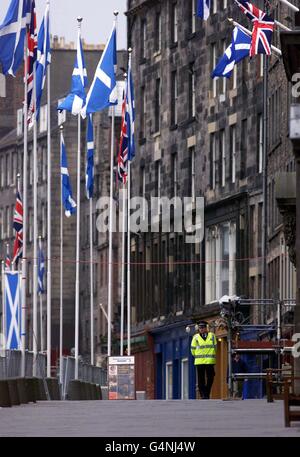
206	374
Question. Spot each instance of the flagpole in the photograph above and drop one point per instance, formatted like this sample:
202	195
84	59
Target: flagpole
61	275
110	254
35	233
3	304
79	20
49	225
91	279
128	262
25	213
123	270
41	307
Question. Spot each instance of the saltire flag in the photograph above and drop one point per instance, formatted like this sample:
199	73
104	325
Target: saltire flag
12	310
76	100
90	158
43	59
7	259
203	9
12	35
31	60
236	51
123	151
67	198
103	91
263	27
41	270
18	227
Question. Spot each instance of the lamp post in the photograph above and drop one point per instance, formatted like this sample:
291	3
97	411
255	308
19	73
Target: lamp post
290	45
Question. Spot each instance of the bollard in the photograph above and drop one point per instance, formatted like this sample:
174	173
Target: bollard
22	391
13	392
4	394
75	391
53	388
30	390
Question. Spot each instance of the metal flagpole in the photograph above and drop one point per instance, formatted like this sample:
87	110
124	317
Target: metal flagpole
49	226
3	308
61	276
25	215
92	280
41	309
110	253
123	270
79	20
35	233
128	262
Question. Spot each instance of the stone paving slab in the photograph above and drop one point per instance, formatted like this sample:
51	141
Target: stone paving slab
177	418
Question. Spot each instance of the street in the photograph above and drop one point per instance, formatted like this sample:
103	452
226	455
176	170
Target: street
175	418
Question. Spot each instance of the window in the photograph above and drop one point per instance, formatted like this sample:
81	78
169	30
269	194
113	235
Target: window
259	229
157	43
143	189
158	177
14	168
7	169
30	162
252	231
260	143
44	166
244	141
224	4
157	104
175	175
185	379
192	91
8	221
2	172
233	153
30	225
143	38
174	98
143	113
223	81
169	381
61	116
44	221
1	225
20	122
192	174
174	23
214	6
220	270
222	158
213	161
213	57
43	119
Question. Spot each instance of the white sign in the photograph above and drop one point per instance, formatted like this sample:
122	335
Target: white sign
121	360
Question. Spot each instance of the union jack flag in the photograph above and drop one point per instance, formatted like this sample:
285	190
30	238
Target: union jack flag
263	26
7	259
18	226
31	59
123	151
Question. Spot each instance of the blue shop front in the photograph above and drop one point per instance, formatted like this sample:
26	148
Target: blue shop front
175	375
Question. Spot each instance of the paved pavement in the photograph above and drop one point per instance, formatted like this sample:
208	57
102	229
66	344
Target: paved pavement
177	418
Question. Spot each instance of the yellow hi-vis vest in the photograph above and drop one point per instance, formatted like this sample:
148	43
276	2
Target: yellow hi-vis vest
204	351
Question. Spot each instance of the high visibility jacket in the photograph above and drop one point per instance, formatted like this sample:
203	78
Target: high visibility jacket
204	351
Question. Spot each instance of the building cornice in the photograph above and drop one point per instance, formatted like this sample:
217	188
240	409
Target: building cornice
141	7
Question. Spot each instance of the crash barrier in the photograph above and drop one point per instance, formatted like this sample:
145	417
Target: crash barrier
87	375
275	381
11	364
19	391
290	401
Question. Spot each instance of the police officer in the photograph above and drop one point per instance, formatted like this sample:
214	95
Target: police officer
203	349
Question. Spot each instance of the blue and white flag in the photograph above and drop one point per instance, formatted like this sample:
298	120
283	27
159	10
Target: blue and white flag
67	198
103	91
41	270
203	9
43	58
237	51
12	309
130	113
90	158
76	100
12	35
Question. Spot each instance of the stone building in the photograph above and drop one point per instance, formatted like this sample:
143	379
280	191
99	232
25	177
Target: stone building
11	163
202	137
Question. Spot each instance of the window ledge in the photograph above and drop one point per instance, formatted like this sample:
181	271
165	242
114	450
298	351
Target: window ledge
157	54
174	45
156	134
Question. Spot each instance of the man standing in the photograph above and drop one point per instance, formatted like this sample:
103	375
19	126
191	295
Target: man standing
203	349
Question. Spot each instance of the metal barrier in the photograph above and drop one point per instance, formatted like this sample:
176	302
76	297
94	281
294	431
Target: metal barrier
86	373
10	365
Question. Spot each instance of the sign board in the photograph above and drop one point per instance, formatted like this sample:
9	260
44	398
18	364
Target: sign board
121	378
